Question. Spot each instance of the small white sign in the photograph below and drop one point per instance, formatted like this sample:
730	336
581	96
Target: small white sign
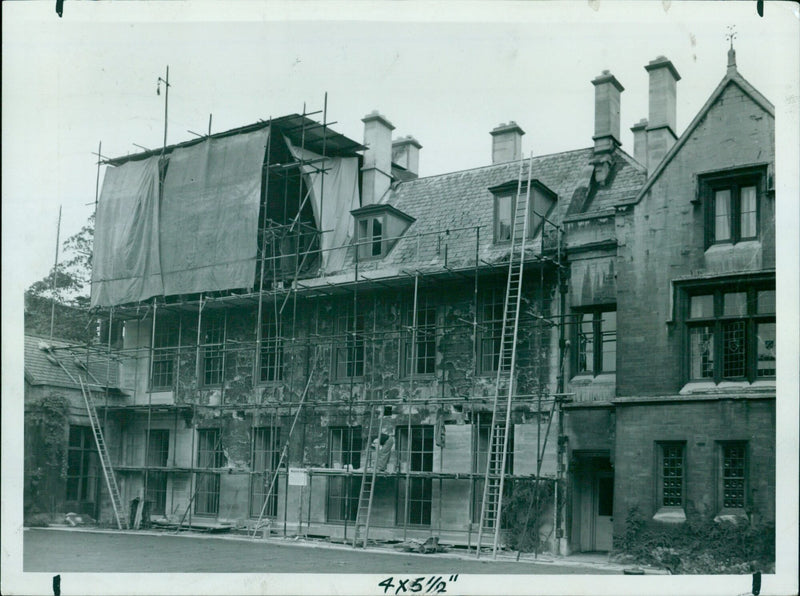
298	477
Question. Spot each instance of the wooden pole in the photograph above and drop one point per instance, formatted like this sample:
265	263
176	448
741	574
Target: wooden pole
55	276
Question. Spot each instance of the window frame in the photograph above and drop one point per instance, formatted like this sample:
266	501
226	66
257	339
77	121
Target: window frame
598	339
660	479
718	322
420	490
165	350
157	491
265	453
215	454
207	484
158	448
722	509
213	351
351	350
733	180
343	492
427	338
512	198
490	330
365	240
271	355
82	467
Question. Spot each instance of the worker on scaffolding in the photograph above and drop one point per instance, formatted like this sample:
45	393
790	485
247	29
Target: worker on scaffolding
383	445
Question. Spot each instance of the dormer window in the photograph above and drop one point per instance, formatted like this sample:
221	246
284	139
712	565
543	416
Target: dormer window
370	237
540	203
378	227
503	210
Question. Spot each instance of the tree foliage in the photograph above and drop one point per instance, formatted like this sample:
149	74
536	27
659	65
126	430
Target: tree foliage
71	297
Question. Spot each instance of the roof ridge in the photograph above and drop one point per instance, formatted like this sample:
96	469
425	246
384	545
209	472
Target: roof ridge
493	165
51	339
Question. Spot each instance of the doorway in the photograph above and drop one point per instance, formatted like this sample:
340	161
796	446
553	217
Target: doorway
593	503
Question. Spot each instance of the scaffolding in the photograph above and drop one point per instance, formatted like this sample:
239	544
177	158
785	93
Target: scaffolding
286	339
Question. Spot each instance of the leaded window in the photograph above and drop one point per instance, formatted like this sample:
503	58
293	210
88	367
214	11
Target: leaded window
731	333
734	475
671	474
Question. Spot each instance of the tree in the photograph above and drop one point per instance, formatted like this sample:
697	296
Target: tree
71	298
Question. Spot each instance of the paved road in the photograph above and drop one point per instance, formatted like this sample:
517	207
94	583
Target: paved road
60	551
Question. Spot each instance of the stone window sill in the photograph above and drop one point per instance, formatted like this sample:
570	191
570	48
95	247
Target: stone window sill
741	246
590	378
694	387
736	516
670	515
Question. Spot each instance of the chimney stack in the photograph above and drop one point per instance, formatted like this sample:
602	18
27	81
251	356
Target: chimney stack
506	142
661	125
377	169
405	153
606	137
639	131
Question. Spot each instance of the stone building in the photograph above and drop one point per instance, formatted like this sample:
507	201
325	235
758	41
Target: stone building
279	296
62	471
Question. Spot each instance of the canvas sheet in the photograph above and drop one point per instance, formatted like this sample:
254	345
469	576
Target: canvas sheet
332	202
209	214
126	250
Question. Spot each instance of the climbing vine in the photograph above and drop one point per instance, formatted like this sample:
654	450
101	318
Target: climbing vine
46	420
527	510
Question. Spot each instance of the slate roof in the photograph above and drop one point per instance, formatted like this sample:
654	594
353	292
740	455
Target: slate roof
40	369
460	201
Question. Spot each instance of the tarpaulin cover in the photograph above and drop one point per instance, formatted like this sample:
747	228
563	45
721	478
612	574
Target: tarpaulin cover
125	263
340	196
209	214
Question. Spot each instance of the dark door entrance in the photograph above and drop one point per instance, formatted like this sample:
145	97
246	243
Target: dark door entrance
593	502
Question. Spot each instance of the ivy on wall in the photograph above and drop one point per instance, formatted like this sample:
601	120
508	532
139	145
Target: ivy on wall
527	508
46	422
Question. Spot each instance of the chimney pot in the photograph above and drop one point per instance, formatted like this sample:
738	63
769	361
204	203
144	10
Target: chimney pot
506	142
663	110
377	168
405	153
606	137
639	131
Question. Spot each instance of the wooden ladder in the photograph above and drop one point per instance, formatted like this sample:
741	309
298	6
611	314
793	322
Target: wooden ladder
367	491
105	460
494	477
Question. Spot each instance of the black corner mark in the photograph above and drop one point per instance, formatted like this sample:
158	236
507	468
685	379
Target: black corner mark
59	12
760	8
756	583
56	585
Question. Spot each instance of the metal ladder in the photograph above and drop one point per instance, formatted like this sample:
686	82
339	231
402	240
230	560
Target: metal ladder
367	486
105	460
494	478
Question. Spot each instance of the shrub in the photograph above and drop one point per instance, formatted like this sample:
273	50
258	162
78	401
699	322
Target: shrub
700	545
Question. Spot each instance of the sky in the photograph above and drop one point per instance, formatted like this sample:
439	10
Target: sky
445	72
